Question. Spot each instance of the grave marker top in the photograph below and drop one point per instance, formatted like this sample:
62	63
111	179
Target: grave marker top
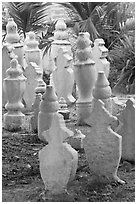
12	34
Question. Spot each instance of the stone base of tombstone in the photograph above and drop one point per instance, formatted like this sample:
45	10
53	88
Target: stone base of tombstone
83	111
13	122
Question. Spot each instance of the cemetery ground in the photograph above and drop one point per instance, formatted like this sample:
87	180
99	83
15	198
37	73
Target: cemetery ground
21	180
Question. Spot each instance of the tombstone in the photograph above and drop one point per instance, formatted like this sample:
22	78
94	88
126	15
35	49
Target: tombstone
14	86
100	52
102	91
48	106
63	76
102	145
63	109
60	39
11	47
85	76
39	91
7	56
127	130
31	83
13	39
32	52
58	160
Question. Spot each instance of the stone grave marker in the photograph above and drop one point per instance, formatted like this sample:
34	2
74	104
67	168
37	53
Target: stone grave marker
102	91
48	106
99	53
31	83
127	130
63	76
102	145
58	160
14	86
85	77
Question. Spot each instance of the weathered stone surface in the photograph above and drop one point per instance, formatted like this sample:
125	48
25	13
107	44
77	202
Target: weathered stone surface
31	83
102	145
85	76
58	160
48	106
14	86
102	91
100	53
32	52
127	130
63	76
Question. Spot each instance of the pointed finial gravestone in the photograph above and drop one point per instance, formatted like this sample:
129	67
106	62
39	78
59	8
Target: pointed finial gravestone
32	52
14	86
102	91
85	76
13	38
102	145
100	52
127	130
12	35
58	160
48	106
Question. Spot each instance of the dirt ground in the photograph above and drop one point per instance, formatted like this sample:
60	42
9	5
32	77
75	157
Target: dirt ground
21	180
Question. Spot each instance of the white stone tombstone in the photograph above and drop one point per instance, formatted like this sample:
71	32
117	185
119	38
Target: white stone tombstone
127	130
102	145
32	52
85	76
6	58
103	91
31	83
58	160
48	106
13	38
63	76
99	53
14	86
60	39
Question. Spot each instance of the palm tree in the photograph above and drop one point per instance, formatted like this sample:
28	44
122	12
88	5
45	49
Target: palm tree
28	15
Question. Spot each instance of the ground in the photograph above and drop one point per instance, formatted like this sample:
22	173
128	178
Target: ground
21	180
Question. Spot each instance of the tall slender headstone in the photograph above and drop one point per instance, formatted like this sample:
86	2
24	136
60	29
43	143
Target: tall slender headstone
14	86
102	91
31	83
13	39
11	46
85	76
32	52
63	76
48	106
102	145
58	160
100	52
